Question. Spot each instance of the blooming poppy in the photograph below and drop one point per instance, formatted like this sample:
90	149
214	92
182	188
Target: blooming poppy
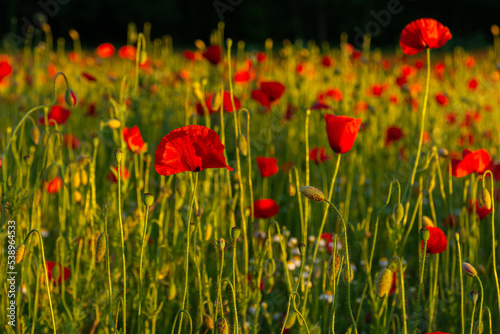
335	94
442	99
437	242
393	134
127	52
261	57
190	148
57	114
267	166
113	175
423	33
190	55
265	208
476	161
472	84
54	185
327	61
134	140
56	272
226	101
105	50
481	211
213	54
269	92
342	132
318	155
5	69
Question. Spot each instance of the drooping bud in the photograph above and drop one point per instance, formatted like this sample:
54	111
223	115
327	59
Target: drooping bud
427	222
70	98
384	282
290	321
312	193
398	212
20	252
331	265
208	321
485	198
292	189
51	172
100	247
443	153
35	135
143	57
243	145
114	123
469	269
222	327
495	30
28	160
148	199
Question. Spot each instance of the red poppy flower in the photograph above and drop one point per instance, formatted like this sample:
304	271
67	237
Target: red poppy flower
335	94
105	50
377	89
73	56
419	64
342	132
442	99
472	161
242	77
267	166
226	101
393	134
56	272
472	84
269	92
423	33
71	141
401	81
481	211
437	242
190	148
190	55
5	69
53	186
89	76
127	52
113	175
265	208
261	57
328	237
134	139
327	61
318	155
213	54
56	114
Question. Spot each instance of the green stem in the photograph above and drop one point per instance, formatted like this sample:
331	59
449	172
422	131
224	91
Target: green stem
480	305
472	319
420	286
140	268
457	237
123	248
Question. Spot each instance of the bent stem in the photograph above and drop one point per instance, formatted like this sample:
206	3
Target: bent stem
480	305
186	263
123	248
330	194
420	285
46	274
347	264
140	268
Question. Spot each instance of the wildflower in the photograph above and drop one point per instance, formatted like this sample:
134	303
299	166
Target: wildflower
342	132
213	54
57	114
105	50
265	208
318	155
437	242
267	166
134	140
423	33
269	92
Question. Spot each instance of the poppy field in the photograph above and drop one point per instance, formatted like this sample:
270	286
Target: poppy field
299	188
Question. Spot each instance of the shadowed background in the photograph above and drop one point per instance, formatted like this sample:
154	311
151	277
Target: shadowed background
251	20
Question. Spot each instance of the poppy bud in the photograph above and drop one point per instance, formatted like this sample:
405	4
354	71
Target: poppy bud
243	145
84	177
235	232
20	252
331	265
200	44
70	98
495	30
312	193
143	57
384	282
222	327
74	34
51	172
398	212
35	135
172	292
485	198
290	321
28	160
347	274
292	189
118	156
75	178
427	222
148	199
100	247
114	123
208	322
473	296
469	269
424	234
222	243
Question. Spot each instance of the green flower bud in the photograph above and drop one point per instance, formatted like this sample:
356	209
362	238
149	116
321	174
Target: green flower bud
424	234
312	193
148	199
235	232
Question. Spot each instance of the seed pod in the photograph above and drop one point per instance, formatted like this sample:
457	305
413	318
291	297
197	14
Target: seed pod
347	274
70	98
398	212
243	145
235	233
424	234
292	189
118	156
51	172
20	252
473	296
485	198
384	282
312	193
222	327
148	199
469	269
222	243
100	247
208	321
290	321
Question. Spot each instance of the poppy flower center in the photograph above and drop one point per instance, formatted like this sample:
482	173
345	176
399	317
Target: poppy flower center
197	169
